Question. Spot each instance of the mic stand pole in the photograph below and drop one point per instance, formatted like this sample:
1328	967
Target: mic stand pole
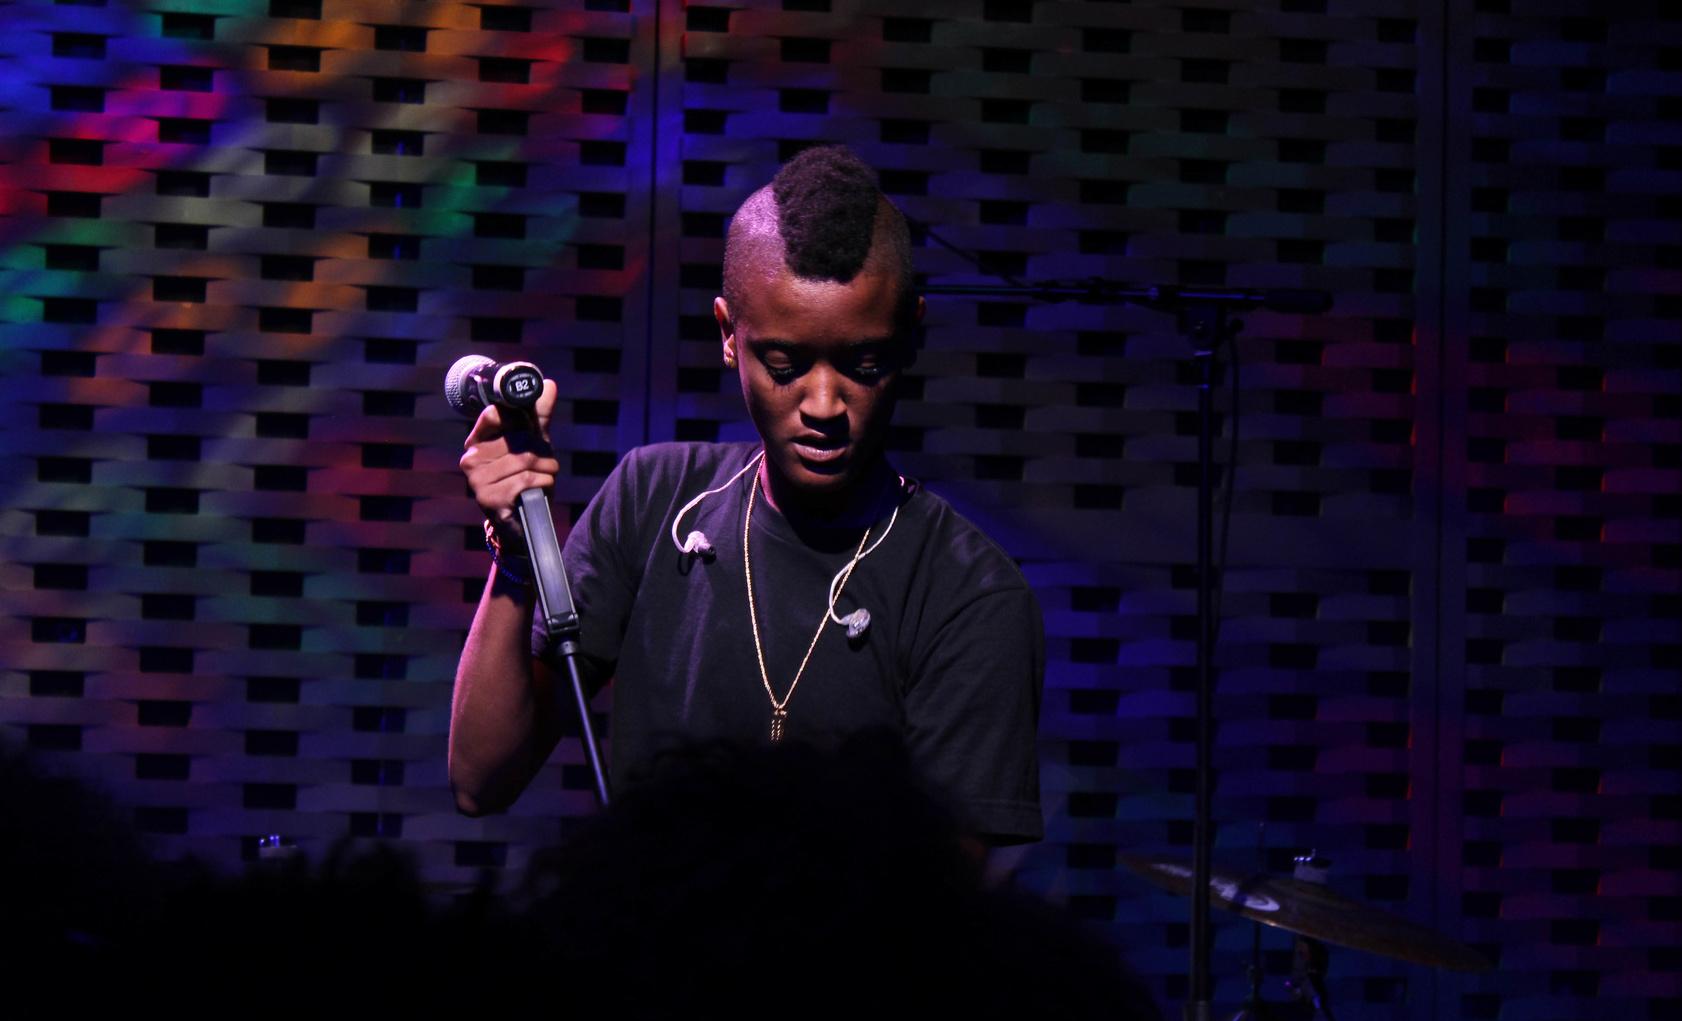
1204	320
559	616
1206	326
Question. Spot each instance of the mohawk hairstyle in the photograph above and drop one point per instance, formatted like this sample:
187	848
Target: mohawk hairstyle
820	215
826	212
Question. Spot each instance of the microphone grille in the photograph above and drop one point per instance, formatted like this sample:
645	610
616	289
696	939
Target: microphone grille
455	380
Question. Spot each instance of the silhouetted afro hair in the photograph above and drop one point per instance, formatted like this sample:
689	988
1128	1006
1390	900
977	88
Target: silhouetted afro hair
826	212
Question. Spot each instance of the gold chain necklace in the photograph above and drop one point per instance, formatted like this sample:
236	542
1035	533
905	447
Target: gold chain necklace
779	709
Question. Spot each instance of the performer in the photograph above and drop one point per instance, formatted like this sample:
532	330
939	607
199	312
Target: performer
795	588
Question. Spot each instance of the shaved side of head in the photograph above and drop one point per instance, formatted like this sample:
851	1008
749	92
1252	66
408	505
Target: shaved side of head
824	218
753	249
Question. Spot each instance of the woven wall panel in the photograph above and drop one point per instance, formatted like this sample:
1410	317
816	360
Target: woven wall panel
241	251
1572	567
240	246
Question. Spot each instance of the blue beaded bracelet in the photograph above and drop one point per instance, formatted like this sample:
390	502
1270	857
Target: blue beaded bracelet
495	546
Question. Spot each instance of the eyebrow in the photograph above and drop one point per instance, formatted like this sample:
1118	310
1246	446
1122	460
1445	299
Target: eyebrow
790	345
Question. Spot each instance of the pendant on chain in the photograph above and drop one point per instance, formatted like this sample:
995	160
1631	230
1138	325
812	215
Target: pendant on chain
777	717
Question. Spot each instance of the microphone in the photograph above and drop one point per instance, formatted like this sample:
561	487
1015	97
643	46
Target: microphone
475	381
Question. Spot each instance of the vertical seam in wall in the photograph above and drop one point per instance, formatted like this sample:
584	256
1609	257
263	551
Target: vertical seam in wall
1432	681
653	225
1444	112
1459	72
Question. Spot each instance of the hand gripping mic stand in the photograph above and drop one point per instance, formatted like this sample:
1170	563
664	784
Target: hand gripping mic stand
1205	319
514	387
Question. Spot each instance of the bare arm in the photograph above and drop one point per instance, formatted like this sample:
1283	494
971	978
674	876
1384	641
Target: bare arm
503	720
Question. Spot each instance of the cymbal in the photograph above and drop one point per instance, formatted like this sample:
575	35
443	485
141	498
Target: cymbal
1313	910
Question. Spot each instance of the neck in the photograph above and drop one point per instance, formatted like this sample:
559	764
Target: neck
860	506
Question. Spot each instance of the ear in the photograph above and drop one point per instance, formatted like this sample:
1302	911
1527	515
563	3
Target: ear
726	330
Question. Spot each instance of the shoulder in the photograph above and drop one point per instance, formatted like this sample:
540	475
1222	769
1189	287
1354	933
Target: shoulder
655	471
647	488
676	462
959	550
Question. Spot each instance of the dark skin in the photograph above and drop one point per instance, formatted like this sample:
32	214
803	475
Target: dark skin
819	363
503	719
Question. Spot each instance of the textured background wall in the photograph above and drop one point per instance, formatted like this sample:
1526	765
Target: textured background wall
241	242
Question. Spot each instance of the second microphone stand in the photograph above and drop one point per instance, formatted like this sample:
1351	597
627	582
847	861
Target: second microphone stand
1204	317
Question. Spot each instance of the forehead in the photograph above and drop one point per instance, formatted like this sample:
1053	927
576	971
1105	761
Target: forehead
783	306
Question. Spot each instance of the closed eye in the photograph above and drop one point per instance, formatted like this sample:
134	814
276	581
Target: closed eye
779	361
870	362
867	363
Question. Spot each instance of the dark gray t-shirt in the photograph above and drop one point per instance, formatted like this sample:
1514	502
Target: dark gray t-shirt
953	661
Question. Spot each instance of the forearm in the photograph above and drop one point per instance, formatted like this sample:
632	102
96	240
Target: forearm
502	720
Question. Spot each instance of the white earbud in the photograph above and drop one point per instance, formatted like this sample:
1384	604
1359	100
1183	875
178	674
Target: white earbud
696	544
858	622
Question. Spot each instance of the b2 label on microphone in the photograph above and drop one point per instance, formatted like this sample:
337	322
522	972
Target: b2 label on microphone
521	386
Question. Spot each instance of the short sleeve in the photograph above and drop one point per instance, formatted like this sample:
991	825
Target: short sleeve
602	565
972	713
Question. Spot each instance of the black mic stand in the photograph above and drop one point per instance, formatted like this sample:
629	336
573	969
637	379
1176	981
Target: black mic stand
558	614
1205	324
473	382
1204	319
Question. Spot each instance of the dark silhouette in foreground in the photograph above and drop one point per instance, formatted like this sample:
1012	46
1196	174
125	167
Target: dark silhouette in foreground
740	882
755	880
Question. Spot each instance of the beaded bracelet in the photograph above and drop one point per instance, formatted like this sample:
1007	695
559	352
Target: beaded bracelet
493	543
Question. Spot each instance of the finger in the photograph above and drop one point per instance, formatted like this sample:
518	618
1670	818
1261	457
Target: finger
487	478
483	452
493	449
494	468
487	426
499	499
500	483
546	406
527	480
523	431
540	463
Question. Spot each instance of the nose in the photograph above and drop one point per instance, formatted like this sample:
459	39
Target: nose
824	398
